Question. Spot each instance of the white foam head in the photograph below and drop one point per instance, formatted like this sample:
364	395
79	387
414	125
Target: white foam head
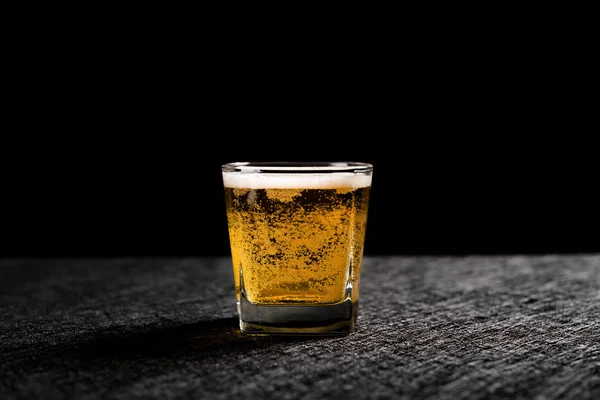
257	180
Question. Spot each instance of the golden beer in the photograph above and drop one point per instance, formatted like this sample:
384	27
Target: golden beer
297	239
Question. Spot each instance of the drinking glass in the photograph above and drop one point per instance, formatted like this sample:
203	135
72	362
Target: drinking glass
297	234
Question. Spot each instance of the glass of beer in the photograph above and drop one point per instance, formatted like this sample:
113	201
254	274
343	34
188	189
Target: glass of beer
297	234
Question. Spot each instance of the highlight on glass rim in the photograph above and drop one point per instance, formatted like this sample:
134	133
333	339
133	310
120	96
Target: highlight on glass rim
297	233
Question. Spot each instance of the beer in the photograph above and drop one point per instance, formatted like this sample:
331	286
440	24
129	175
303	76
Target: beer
296	238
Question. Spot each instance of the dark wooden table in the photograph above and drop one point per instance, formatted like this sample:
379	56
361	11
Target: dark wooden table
471	327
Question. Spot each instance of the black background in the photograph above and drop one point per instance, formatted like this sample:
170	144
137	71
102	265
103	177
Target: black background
480	143
429	195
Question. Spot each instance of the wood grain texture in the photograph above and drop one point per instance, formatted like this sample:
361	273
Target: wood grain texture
461	327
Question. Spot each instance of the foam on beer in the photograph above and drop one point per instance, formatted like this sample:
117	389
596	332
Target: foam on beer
295	181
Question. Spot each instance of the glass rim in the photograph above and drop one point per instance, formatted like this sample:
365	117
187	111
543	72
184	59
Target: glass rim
297	167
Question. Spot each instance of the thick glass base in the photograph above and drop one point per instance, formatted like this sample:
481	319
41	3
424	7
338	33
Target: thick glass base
329	320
